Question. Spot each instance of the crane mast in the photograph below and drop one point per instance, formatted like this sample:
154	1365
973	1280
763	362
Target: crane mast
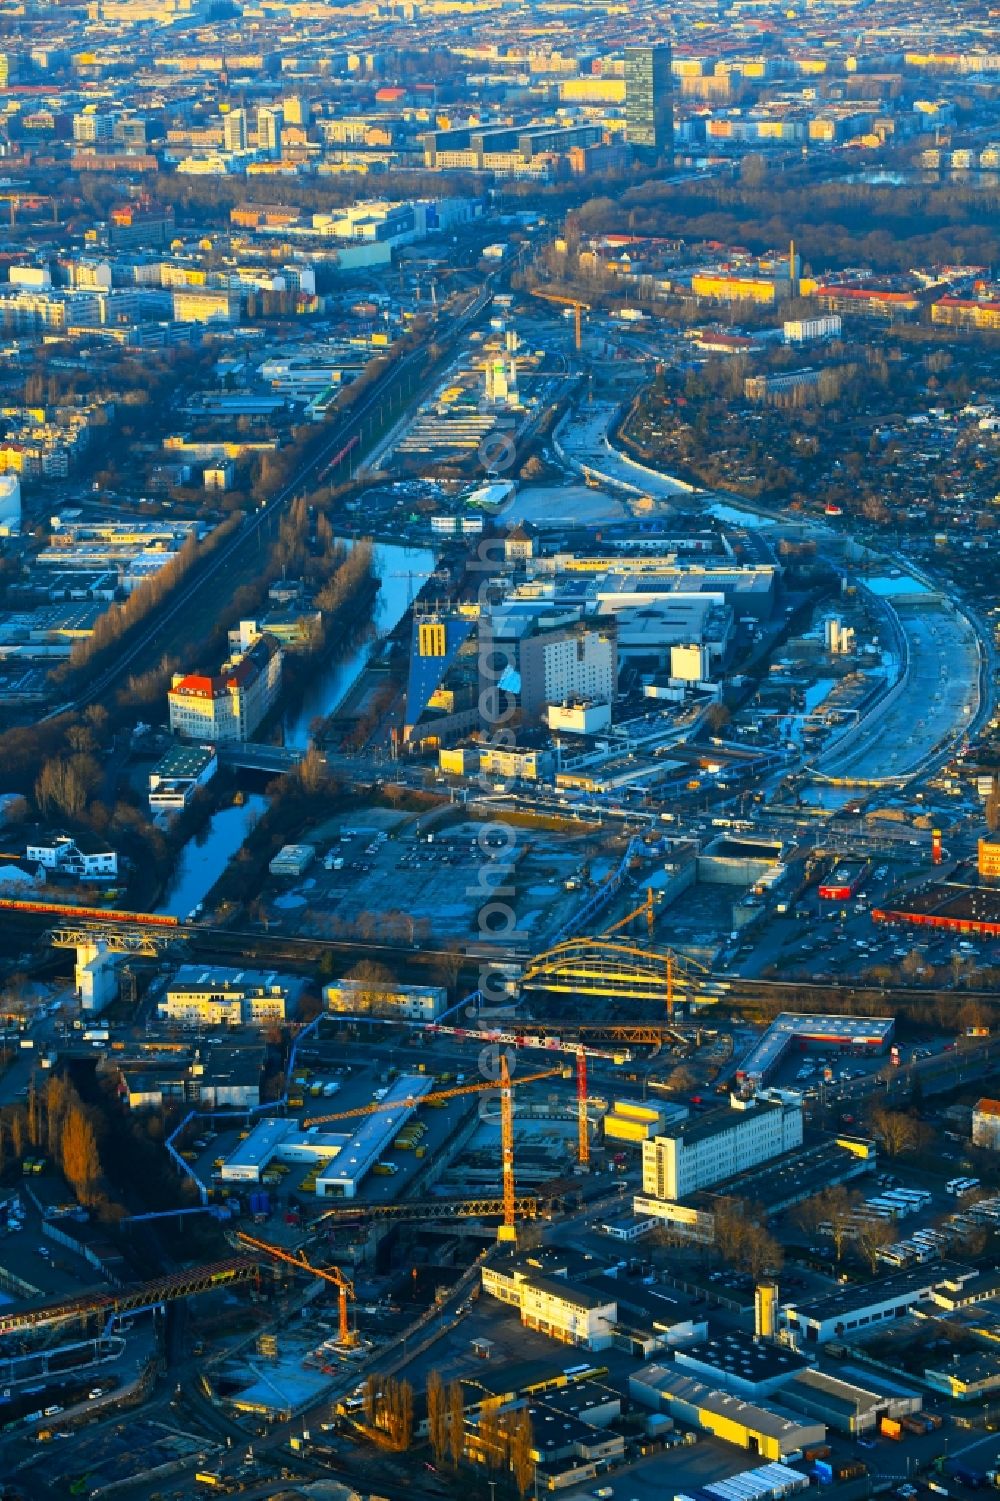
507	1229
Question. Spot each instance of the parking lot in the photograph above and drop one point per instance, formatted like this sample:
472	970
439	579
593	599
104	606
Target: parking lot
429	883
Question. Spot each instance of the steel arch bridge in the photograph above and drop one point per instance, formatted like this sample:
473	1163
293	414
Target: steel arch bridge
615	969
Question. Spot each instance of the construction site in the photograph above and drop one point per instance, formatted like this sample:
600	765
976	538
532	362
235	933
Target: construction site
422	874
391	1138
415	1185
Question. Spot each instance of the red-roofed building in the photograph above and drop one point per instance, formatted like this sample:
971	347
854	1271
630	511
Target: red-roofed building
867	302
232	704
966	312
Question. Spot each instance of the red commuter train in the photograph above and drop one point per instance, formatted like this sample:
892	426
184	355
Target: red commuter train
99	914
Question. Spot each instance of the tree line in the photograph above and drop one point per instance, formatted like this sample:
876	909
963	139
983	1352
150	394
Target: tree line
831	222
499	1437
55	1121
118	620
502	1438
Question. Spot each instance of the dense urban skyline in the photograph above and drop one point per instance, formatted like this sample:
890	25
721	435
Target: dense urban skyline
500	891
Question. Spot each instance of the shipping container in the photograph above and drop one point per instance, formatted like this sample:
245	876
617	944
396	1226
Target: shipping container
891	1428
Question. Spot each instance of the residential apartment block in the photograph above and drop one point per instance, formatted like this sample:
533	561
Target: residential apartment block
986	1124
231	704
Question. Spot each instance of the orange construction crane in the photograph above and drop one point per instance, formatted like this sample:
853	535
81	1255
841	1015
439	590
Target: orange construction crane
583	1124
573	302
434	1097
646	909
507	1228
332	1274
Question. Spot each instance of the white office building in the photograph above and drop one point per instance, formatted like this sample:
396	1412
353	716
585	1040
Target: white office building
578	663
702	1152
555	1305
10	504
269	123
810	330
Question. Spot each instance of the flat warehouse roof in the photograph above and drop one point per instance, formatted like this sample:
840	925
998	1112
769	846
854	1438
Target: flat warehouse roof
850	1031
260	1144
363	1147
904	1284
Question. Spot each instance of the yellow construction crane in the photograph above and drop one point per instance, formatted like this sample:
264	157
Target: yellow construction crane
564	301
436	1096
17	201
332	1274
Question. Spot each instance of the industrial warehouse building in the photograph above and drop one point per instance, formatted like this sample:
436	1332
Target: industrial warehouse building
861	1034
849	1406
768	1431
697	1154
736	1362
363	1149
966	902
348	1157
852	1310
966	1378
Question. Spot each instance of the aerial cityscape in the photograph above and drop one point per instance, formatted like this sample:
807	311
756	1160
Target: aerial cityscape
499	749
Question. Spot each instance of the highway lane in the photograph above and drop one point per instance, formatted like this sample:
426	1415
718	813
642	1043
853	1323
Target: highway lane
978	689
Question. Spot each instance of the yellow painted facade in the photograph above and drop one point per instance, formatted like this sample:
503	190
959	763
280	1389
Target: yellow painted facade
734	289
452	761
623	1128
431	639
989	859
